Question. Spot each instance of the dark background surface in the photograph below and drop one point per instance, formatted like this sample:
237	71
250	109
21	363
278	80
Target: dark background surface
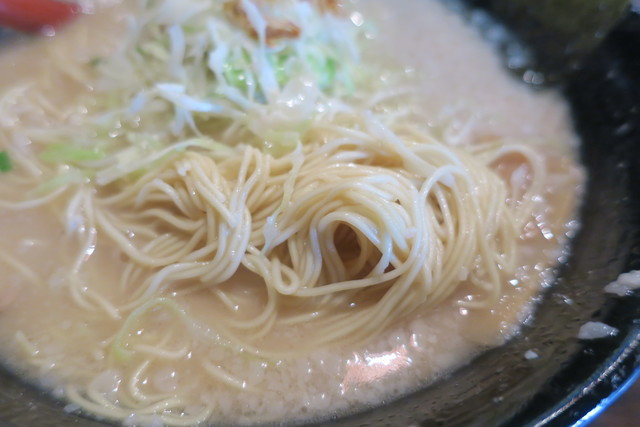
625	412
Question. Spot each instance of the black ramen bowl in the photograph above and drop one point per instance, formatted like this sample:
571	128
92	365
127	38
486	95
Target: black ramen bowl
572	380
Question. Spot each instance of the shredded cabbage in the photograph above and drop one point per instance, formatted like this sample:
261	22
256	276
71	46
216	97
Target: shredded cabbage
68	177
65	153
242	72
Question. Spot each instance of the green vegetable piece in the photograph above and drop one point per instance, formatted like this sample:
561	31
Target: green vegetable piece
65	153
5	162
96	62
236	78
280	63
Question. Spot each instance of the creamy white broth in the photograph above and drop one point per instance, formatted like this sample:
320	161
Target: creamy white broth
46	337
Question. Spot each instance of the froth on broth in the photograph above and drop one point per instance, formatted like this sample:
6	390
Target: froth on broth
189	241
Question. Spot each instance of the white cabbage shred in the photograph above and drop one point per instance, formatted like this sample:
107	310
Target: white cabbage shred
625	283
595	330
